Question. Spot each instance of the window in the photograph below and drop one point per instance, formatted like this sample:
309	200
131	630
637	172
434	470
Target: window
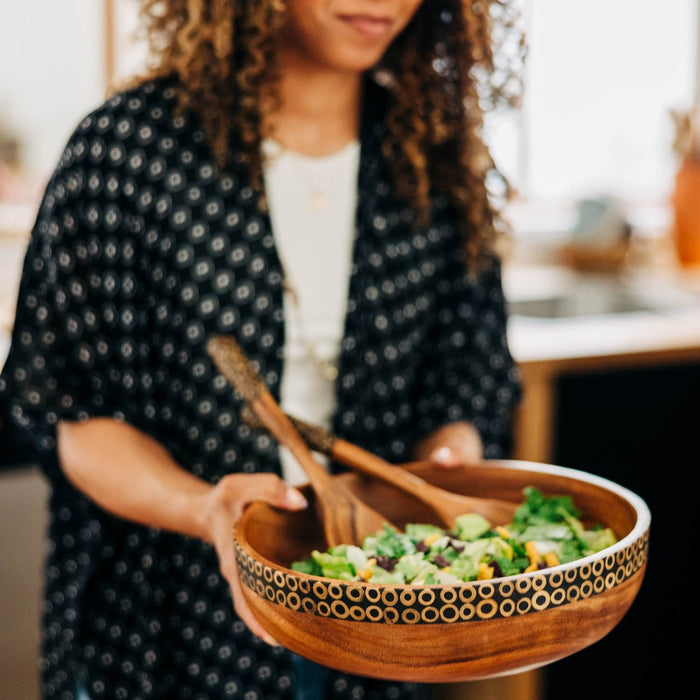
601	79
51	76
127	52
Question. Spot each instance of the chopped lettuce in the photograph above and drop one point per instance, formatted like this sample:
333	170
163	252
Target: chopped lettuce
540	508
471	525
445	577
425	570
598	539
380	575
464	568
545	530
389	542
357	557
510	567
307	566
409	565
334	565
421	532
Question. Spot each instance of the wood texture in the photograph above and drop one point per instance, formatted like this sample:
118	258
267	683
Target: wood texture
442	652
446	504
345	518
535	418
483	642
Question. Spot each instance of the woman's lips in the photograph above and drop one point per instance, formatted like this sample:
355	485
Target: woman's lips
367	26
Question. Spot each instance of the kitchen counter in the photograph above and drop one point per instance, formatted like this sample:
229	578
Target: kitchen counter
659	323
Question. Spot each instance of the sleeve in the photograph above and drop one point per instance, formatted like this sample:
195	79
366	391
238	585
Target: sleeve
469	373
77	338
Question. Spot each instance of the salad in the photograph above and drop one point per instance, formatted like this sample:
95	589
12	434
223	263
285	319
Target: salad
545	531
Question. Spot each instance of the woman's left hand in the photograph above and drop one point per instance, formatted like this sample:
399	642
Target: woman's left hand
451	445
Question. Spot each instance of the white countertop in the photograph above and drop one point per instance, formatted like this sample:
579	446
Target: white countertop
672	323
631	333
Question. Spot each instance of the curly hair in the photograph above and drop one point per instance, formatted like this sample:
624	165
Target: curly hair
454	61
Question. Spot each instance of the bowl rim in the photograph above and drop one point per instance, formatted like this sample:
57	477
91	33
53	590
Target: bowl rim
638	531
325	608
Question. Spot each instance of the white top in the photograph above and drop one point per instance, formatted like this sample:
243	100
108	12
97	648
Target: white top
312	203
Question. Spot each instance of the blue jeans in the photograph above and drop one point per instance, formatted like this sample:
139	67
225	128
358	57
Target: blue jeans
311	679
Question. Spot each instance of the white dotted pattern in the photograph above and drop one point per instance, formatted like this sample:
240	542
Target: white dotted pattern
142	249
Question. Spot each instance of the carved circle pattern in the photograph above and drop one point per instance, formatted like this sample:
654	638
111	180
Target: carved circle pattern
443	604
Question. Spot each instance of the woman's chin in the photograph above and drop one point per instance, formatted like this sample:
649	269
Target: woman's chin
358	63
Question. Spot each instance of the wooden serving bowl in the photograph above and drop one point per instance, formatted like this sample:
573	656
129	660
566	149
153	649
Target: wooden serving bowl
446	633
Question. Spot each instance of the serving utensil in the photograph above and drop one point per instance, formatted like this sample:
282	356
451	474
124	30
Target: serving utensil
345	518
447	505
450	632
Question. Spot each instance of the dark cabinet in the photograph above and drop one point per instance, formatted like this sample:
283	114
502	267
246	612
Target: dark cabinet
641	429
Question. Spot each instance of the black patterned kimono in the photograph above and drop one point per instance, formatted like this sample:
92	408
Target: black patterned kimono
141	250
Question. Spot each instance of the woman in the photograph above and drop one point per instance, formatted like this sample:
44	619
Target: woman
376	307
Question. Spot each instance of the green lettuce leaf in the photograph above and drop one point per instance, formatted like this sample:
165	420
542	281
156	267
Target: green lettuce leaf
333	566
470	526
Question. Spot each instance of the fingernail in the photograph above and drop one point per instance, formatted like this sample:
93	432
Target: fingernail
295	499
442	454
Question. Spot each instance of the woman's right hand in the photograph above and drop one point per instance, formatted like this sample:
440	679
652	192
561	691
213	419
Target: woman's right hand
224	504
139	480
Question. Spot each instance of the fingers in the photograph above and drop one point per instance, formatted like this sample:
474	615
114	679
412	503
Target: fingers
228	500
444	456
452	455
245	488
452	445
246	615
293	499
223	542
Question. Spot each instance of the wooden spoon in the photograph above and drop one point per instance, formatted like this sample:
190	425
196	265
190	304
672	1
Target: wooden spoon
446	504
346	519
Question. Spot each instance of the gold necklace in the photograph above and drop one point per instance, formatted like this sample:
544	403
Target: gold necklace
328	370
320	196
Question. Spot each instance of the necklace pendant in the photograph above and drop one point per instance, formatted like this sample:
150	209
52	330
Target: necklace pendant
329	372
319	201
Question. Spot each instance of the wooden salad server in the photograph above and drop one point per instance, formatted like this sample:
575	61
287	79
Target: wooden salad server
346	519
446	504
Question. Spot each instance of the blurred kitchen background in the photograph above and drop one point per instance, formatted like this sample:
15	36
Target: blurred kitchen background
602	276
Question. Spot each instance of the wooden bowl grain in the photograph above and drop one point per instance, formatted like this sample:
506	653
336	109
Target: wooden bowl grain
446	633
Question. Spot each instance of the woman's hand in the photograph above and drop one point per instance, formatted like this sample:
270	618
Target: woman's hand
451	445
222	508
128	473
